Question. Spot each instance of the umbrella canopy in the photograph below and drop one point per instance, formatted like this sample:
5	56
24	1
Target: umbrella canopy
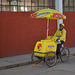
48	14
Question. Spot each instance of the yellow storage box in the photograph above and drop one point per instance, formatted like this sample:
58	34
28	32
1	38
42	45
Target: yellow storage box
44	46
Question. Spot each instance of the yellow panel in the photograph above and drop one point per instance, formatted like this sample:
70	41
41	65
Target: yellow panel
46	46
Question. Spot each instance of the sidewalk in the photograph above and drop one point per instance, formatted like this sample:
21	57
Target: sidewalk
20	60
15	61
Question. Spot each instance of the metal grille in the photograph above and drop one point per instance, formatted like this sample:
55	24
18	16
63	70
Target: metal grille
69	5
33	5
25	5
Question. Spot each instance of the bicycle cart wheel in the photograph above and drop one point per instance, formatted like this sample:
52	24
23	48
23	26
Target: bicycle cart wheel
64	54
35	59
51	59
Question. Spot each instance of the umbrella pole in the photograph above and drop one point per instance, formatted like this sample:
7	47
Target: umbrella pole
47	26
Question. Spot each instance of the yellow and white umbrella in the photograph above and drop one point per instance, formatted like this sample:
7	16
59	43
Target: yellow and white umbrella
48	14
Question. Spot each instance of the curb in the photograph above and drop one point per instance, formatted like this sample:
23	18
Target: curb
15	65
21	64
72	54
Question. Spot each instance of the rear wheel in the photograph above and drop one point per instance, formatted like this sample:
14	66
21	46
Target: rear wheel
51	59
35	59
64	54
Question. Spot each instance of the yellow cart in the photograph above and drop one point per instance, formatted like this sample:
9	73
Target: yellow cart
46	50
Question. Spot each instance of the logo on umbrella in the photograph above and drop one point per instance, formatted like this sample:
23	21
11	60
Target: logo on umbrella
43	14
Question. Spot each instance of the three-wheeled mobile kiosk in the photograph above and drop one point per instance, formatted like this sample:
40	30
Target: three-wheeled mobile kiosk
46	49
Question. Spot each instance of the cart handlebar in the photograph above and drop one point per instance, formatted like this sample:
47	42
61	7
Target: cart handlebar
52	38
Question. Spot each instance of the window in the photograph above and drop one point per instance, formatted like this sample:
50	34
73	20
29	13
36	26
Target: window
69	5
25	5
33	5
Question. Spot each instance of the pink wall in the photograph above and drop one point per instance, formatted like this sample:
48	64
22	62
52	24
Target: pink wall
19	33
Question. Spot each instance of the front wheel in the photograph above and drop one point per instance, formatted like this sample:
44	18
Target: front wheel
64	54
51	59
35	59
